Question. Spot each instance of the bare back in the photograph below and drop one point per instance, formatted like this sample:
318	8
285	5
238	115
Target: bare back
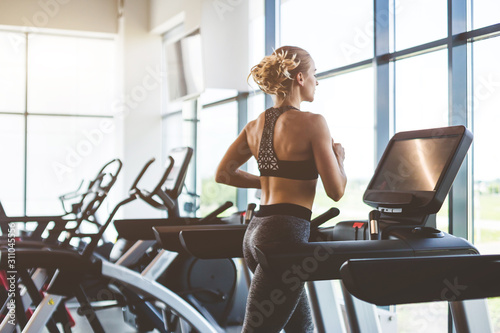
292	142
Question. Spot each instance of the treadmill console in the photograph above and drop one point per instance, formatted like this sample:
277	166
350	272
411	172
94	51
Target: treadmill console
175	179
416	172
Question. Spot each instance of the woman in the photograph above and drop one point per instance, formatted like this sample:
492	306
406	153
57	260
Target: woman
291	147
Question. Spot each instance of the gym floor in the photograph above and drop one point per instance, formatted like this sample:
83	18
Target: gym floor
112	321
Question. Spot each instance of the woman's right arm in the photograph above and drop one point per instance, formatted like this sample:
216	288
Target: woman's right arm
329	158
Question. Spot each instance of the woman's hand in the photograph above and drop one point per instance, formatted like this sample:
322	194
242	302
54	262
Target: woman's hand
238	153
339	151
328	157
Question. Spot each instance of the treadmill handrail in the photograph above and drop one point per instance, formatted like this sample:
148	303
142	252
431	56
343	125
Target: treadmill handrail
424	279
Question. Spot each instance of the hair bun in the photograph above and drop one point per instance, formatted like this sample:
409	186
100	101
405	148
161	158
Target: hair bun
275	73
285	66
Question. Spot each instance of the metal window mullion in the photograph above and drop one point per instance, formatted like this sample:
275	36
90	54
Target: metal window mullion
272	32
220	102
382	83
345	69
485	32
242	193
190	123
459	201
470	316
71	115
457	91
25	187
196	117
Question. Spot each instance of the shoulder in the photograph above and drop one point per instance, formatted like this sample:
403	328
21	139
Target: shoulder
311	119
256	123
314	117
316	124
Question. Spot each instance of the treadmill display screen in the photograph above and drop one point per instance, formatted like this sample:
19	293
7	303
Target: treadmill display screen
415	164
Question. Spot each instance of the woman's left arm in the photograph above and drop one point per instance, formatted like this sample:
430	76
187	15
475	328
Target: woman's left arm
228	171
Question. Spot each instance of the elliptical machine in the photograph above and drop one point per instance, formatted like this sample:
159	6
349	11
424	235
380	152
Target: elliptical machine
216	288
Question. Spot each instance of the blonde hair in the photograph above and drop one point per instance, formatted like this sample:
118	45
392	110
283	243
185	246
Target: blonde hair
276	73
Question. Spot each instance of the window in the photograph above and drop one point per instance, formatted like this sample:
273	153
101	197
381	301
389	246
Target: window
173	137
12	72
419	22
70	75
422	92
256	31
485	102
256	105
217	129
67	119
486	98
335	33
12	165
216	95
61	152
485	13
172	132
346	101
423	317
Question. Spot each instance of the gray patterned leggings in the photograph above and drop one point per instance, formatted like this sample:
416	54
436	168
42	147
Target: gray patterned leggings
274	304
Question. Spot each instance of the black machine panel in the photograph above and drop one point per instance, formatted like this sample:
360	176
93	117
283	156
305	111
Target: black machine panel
415	164
425	279
416	172
176	177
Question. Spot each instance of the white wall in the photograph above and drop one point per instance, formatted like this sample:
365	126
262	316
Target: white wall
166	14
137	105
224	27
84	15
141	102
225	35
138	35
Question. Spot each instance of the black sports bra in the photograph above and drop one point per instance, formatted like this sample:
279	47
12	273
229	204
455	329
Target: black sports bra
268	163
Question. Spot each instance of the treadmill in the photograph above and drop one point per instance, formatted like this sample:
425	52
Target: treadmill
446	277
410	184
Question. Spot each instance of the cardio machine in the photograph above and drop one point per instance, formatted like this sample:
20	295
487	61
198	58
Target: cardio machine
73	269
410	184
84	210
215	288
48	230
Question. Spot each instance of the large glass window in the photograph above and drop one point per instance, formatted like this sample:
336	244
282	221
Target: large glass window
423	317
70	75
419	22
335	33
421	92
12	71
216	95
256	31
173	137
61	152
12	164
485	102
256	105
346	101
485	13
172	132
421	100
217	129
